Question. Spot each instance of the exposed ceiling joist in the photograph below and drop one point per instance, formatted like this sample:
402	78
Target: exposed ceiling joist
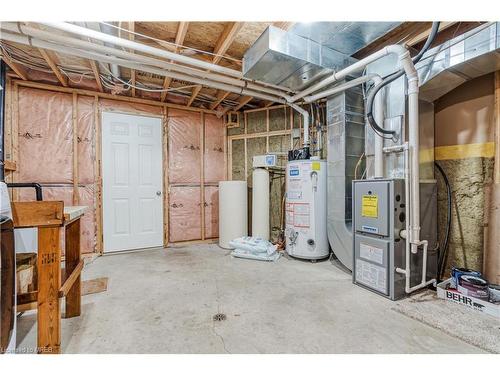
95	70
226	39
242	101
130	27
49	59
194	94
423	35
20	71
221	95
182	29
166	84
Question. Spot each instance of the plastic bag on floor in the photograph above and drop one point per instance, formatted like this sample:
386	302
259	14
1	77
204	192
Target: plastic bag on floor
254	248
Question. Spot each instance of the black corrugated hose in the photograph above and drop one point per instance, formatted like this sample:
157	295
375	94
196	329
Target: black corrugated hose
444	248
371	95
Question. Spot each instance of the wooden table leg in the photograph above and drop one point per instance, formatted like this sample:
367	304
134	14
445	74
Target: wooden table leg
72	258
49	279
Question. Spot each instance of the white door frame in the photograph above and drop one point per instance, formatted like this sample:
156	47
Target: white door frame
163	172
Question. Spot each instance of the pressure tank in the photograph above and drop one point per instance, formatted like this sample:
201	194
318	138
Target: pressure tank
232	211
260	203
305	209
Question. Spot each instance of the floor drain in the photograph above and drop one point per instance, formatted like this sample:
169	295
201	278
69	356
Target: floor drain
219	317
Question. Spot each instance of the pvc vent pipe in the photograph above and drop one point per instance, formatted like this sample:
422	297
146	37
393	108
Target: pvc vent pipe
233	211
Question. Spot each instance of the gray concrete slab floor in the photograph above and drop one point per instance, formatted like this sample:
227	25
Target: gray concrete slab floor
164	300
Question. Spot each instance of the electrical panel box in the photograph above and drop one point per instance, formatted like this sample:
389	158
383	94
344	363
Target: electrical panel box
265	161
379	215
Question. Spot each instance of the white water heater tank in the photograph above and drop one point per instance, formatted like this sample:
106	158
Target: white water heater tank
305	230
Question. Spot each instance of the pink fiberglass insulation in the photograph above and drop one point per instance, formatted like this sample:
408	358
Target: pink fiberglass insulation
184	153
86	140
184	212
214	149
86	197
45	136
211	212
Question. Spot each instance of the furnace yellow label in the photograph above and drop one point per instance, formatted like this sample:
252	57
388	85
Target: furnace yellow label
369	206
316	166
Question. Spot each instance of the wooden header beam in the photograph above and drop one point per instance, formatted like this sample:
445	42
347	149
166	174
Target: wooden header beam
104	95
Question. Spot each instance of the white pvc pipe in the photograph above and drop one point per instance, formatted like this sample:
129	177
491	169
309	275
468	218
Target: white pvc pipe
379	141
114	60
305	122
407	270
89	46
82	31
398	50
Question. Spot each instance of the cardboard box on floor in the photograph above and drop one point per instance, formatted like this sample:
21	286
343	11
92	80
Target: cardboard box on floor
445	292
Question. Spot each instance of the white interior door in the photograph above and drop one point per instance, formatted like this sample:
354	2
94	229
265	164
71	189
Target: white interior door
132	181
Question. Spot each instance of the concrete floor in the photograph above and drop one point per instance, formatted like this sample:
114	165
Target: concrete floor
163	301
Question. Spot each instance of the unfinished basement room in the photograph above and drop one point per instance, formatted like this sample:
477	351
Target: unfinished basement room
190	184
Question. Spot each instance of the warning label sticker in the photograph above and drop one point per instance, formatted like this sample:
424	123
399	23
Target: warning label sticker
316	165
369	206
298	215
371	275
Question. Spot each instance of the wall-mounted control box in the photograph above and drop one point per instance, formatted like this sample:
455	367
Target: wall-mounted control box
265	161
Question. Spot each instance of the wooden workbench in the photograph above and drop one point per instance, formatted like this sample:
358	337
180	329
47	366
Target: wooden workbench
52	220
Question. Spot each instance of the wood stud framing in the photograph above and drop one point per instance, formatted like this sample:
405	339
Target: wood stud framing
75	148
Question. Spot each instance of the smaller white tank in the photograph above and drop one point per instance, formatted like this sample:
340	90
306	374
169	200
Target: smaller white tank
260	203
305	209
232	211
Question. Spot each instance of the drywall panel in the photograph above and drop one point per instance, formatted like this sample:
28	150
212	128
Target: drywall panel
214	149
184	213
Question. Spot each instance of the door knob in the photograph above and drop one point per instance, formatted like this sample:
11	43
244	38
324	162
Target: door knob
158	193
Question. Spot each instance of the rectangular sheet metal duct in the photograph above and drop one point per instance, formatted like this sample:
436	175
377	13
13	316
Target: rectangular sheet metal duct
309	52
289	60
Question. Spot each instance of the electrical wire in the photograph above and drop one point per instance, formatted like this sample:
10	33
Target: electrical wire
444	248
